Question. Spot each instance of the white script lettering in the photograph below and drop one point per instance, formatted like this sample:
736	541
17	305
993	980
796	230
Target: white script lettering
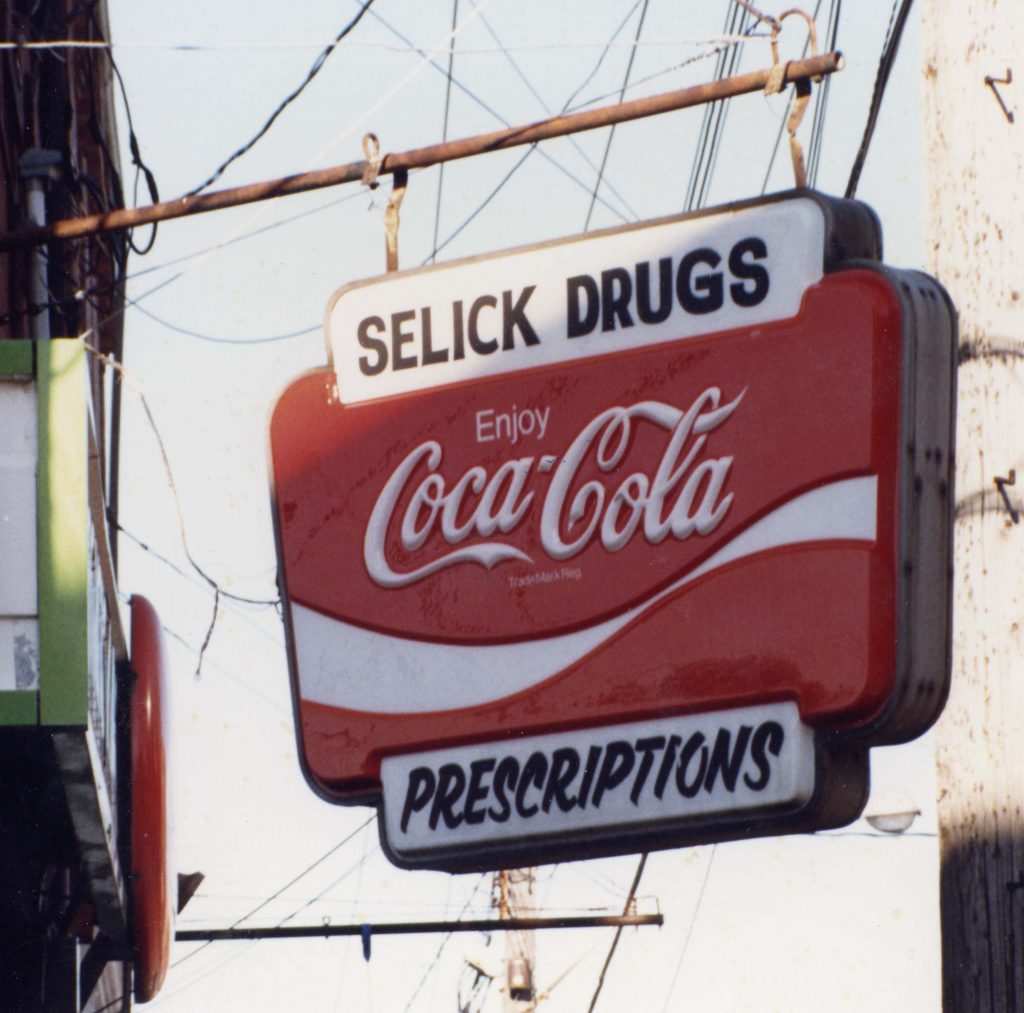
685	495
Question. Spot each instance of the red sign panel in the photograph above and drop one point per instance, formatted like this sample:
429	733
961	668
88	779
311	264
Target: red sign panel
654	530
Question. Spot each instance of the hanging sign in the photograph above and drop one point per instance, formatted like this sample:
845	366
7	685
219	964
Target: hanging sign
636	539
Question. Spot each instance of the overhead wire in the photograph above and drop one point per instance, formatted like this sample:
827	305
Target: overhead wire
690	928
440	950
611	132
885	64
249	944
468	220
316	863
134	148
164	995
630	898
571	138
715	113
747	36
824	90
444	128
219	339
183	641
397	88
547	156
315	69
187	47
93	290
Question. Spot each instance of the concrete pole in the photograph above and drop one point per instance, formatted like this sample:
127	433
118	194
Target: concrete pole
974	154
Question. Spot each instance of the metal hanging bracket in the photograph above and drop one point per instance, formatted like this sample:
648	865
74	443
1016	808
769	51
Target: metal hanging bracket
371	150
399	182
777	80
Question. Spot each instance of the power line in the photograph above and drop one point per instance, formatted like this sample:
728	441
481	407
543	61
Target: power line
178	638
444	127
885	65
287	101
618	932
492	111
713	124
747	36
218	340
256	47
287	886
529	151
689	931
580	150
440	949
821	105
611	133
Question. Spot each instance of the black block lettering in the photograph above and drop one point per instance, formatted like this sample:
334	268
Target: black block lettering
458	338
372	344
565	765
506	774
616	293
725	764
643	291
477	790
577	324
589	770
475	342
513	316
534	771
694	744
421	787
430	354
688	289
451	783
399	338
768	736
647	747
674	741
740	268
618	762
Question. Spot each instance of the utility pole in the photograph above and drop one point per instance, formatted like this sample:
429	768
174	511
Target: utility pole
515	900
974	152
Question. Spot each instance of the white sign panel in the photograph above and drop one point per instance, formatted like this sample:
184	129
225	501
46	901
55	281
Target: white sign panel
615	290
624	776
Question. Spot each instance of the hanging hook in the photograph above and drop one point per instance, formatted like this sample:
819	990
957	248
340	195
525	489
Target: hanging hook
399	181
776	81
371	151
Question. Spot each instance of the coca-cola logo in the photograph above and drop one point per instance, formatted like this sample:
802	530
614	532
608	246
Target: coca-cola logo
685	495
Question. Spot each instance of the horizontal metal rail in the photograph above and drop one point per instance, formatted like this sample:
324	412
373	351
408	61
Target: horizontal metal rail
420	158
407	928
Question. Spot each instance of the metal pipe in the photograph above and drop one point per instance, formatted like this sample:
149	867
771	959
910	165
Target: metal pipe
407	928
35	205
37	167
420	158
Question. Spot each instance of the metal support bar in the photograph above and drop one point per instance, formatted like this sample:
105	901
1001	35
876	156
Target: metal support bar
408	928
420	158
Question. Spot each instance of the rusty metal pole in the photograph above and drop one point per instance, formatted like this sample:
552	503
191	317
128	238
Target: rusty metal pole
327	930
420	158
